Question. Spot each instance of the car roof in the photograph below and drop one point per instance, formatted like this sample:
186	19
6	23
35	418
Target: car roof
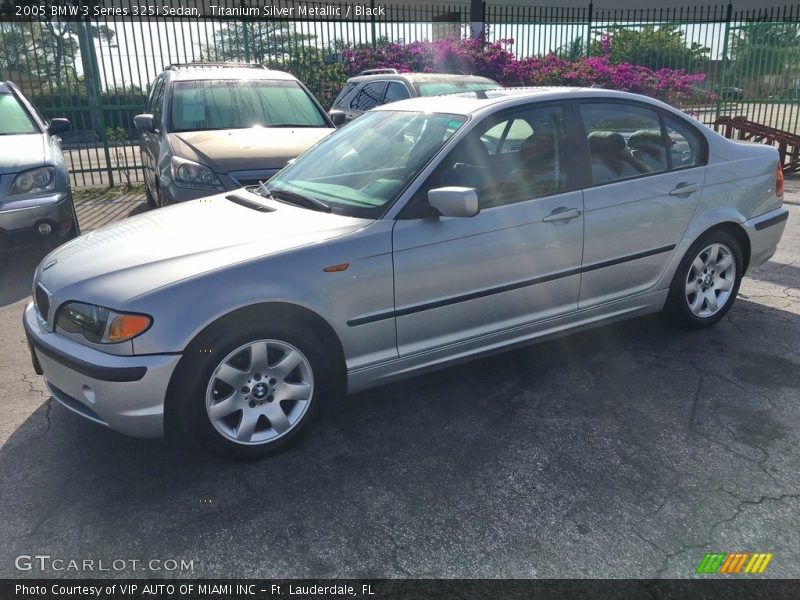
418	77
472	103
206	72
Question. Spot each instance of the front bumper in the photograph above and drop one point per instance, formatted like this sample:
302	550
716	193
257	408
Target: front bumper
125	393
765	232
25	214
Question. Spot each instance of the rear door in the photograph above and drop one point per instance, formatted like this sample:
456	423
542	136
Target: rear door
647	175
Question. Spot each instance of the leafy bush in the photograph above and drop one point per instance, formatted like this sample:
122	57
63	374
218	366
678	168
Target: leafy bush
478	56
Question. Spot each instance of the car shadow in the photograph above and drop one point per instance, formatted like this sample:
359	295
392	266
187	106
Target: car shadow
589	417
783	275
17	265
139	209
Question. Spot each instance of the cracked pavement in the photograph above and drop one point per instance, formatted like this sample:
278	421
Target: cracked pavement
627	451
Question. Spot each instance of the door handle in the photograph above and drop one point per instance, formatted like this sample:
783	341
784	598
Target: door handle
562	214
684	189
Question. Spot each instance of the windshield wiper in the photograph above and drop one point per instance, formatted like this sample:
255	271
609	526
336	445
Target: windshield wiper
297	199
295	125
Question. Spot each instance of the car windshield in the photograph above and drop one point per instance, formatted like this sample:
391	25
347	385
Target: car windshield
363	167
229	104
14	120
437	88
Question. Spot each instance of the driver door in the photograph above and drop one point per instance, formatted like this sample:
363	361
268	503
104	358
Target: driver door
518	260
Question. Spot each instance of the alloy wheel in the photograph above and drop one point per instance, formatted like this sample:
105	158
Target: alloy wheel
710	281
259	392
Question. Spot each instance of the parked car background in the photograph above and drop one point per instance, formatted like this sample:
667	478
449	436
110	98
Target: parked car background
210	127
375	87
411	239
35	192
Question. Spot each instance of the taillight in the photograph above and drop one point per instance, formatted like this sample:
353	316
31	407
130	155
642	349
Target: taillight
779	182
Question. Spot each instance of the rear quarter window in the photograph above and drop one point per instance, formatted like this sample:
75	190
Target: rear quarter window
345	95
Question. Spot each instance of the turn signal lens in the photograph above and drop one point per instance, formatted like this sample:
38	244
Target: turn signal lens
779	182
336	268
124	327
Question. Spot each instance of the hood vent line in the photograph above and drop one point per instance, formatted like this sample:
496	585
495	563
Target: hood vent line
247	203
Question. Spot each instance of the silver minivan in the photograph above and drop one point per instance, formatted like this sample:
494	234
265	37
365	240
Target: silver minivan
210	127
421	234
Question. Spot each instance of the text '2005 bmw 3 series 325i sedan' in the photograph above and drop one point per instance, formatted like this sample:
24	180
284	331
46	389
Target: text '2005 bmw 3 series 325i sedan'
410	239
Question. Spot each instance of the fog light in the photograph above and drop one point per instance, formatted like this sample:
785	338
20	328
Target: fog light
88	394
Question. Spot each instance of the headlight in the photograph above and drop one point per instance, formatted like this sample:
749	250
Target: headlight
40	179
191	174
100	325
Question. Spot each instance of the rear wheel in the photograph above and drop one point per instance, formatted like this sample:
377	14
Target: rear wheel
251	394
707	280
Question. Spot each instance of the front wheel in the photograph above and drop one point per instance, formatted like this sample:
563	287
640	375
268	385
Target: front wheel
707	280
151	199
250	395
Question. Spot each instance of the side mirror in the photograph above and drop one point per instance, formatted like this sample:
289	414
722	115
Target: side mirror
454	201
338	117
144	123
58	126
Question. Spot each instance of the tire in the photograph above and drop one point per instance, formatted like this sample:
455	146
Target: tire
707	281
250	421
74	230
151	200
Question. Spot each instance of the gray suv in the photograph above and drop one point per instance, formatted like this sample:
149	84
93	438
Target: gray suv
212	127
375	87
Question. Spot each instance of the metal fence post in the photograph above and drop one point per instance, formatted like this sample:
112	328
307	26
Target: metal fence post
97	99
476	15
245	34
723	67
589	30
372	23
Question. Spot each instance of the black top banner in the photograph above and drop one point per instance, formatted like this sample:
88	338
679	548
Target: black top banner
456	589
247	10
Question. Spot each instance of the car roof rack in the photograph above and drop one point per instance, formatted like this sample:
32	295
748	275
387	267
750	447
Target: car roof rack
381	71
214	65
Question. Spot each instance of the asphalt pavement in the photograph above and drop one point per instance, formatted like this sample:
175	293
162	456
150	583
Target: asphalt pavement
627	451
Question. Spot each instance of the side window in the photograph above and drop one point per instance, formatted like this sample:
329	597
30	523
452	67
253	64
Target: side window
344	95
625	140
158	103
395	91
369	96
509	159
507	136
685	147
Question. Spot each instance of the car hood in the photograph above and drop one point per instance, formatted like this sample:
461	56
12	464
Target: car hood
116	263
246	149
20	152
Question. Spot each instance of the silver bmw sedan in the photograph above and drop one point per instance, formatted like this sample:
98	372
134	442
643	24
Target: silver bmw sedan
426	232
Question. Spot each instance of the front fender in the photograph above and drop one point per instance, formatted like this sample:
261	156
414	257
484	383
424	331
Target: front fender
182	310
